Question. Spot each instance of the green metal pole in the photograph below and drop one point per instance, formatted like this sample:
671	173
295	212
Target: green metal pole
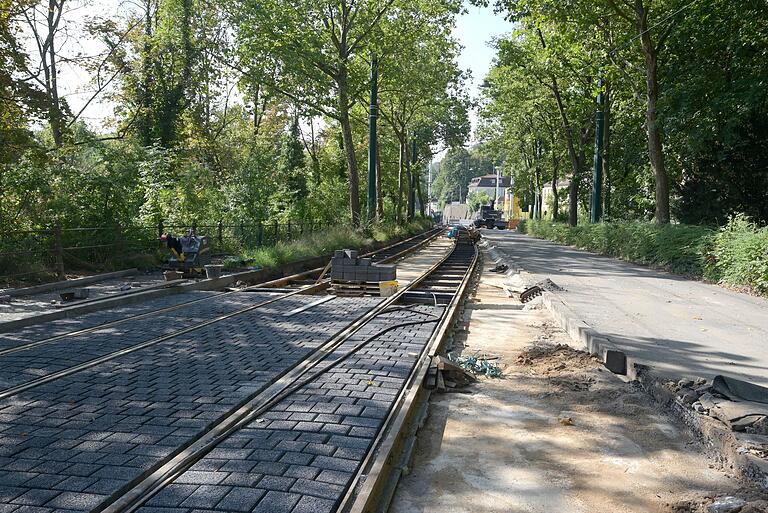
596	212
412	182
372	141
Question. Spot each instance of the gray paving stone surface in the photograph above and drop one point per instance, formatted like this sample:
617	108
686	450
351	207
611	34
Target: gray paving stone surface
302	454
89	320
24	366
67	445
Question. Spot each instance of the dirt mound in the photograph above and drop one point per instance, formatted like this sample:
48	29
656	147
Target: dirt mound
550	359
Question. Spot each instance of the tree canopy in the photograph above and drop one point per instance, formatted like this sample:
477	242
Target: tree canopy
684	103
244	111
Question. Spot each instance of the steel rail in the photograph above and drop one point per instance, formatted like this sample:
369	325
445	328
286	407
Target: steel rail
375	492
24	347
8	392
248	411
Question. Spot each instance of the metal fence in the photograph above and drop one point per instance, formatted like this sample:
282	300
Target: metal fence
42	253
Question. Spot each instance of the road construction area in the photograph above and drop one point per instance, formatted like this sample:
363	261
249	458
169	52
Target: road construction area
324	391
557	432
264	397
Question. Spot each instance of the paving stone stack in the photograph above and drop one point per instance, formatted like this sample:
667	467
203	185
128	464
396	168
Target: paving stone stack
348	266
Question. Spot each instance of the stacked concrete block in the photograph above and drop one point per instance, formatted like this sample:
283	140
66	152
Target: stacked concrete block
347	265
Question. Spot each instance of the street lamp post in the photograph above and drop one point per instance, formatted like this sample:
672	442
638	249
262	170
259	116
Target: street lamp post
596	210
372	139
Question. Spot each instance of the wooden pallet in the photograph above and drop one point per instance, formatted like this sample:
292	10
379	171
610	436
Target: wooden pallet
355	288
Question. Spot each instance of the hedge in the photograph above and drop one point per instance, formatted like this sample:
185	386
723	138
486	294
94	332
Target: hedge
735	255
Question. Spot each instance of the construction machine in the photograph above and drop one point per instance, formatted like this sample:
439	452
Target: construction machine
489	218
189	253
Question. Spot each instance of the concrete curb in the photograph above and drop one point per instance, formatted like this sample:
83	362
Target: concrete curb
58	285
595	343
731	450
120	300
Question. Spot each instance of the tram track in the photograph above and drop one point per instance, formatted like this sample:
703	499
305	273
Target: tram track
125	396
383	255
8	392
137	494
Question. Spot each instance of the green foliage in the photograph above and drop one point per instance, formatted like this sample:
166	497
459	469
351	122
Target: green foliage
736	255
711	110
716	109
456	170
20	101
739	255
327	241
316	244
477	200
292	161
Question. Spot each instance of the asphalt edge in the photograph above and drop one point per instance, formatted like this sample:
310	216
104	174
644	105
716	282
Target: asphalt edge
730	450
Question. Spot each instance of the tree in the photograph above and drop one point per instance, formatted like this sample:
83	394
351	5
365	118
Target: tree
44	20
536	61
478	199
313	52
421	89
292	161
19	101
638	13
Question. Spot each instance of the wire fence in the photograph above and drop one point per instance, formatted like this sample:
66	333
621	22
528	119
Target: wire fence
34	255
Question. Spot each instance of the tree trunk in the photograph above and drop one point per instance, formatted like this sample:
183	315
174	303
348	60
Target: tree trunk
409	177
54	107
421	196
655	146
145	101
555	192
349	149
568	132
539	198
584	140
573	191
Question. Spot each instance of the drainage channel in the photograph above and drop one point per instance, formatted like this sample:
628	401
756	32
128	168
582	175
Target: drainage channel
304	444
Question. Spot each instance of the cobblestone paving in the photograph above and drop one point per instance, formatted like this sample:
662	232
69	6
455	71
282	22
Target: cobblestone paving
23	366
69	444
301	456
61	326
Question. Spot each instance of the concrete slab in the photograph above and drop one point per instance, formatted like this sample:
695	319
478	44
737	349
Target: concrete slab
414	265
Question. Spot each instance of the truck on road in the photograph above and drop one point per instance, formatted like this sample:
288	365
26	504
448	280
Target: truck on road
486	217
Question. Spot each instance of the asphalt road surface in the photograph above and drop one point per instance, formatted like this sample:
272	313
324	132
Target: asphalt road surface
680	326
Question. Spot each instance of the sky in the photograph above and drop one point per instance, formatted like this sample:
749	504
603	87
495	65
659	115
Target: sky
475	30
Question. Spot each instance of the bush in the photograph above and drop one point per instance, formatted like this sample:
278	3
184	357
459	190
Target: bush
325	242
736	255
739	255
